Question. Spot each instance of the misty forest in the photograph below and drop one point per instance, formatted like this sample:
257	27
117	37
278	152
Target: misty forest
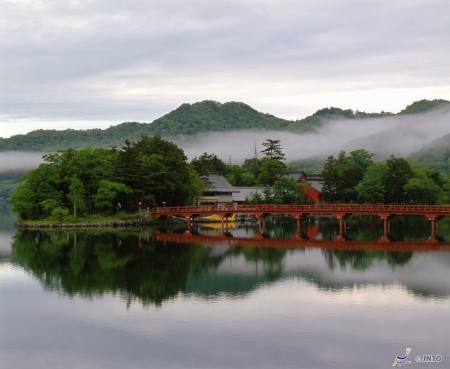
108	176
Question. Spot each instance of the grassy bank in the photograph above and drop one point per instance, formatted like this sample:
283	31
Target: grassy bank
91	220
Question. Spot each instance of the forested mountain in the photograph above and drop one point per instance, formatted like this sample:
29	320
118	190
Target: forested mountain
189	119
422	106
435	156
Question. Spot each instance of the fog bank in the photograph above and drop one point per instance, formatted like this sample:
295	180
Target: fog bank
19	161
397	135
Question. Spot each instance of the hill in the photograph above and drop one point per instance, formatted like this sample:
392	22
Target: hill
190	119
436	155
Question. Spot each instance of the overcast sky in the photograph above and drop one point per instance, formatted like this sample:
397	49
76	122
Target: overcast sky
93	63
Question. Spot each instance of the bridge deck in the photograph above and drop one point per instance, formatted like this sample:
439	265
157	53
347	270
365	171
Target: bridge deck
338	210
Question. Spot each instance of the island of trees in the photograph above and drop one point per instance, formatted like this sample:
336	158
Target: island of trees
74	183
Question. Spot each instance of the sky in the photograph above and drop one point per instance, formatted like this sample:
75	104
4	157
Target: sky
93	64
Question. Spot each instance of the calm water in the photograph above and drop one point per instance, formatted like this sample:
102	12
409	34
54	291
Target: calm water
120	299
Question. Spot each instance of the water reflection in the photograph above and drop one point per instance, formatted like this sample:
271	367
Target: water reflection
149	268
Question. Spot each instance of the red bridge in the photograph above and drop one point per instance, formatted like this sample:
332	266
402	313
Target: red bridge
340	211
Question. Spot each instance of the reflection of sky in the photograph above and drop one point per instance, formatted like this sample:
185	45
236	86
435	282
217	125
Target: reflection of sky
6	235
288	324
425	273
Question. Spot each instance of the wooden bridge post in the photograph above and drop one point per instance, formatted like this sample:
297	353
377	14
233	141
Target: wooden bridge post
433	218
188	223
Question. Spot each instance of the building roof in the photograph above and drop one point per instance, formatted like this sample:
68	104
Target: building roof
245	193
315	180
316	183
218	183
296	175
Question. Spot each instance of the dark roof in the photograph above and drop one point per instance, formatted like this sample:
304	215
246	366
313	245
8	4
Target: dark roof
296	175
246	193
315	180
218	183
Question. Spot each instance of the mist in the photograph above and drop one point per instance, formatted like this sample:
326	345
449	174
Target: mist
19	160
396	135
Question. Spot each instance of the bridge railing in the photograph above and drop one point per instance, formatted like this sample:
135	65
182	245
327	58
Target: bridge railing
317	208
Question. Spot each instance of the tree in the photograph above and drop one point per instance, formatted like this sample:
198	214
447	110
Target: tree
76	195
372	187
397	176
424	191
270	170
273	150
239	177
209	163
288	191
108	193
330	180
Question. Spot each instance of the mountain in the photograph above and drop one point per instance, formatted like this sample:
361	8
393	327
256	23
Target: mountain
190	119
435	156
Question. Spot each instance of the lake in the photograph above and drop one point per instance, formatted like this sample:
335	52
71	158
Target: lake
161	298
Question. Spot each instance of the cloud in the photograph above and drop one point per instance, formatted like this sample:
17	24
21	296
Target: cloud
16	160
134	60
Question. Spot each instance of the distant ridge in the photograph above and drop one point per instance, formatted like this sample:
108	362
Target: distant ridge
190	119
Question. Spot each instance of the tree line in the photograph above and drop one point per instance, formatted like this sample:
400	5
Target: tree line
355	177
151	171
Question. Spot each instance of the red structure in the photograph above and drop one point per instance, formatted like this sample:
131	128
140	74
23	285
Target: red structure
338	244
313	194
340	211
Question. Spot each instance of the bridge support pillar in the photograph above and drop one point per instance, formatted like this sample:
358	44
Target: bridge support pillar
261	224
298	219
189	222
434	223
386	223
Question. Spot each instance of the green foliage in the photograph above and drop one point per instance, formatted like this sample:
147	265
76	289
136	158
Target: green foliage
209	163
269	173
372	187
435	156
238	176
273	150
341	176
398	174
310	166
422	106
288	191
150	170
76	195
59	214
107	194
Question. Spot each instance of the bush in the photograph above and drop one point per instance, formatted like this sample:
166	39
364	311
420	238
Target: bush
60	214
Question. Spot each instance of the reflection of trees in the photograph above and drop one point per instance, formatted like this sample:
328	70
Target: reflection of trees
89	263
363	260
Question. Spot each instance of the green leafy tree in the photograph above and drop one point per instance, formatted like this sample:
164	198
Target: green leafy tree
108	193
288	191
209	163
270	171
424	191
373	186
330	180
76	195
399	172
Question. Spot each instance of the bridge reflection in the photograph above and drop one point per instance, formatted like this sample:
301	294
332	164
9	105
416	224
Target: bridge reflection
339	243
